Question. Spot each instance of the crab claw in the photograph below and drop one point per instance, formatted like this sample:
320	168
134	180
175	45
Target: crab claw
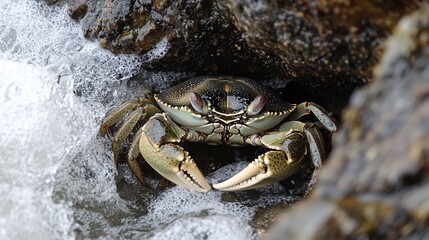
169	159
268	168
190	176
178	167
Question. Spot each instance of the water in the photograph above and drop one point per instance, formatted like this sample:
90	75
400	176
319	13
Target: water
57	178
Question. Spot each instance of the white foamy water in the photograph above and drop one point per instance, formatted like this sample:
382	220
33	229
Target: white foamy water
33	142
57	177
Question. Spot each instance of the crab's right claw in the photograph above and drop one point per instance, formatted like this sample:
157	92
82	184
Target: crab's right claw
175	164
169	159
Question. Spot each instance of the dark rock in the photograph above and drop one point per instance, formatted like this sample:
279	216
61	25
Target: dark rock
77	9
323	50
313	38
376	182
202	39
327	42
52	2
265	217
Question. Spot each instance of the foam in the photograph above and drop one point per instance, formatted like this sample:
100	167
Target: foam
57	176
208	227
30	154
167	210
54	170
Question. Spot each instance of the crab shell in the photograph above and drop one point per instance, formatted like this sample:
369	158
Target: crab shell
228	104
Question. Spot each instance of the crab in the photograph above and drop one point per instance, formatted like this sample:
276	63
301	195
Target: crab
219	110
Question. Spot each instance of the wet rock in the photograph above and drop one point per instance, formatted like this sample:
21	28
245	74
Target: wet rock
202	38
51	2
313	38
77	9
322	42
321	50
375	184
265	217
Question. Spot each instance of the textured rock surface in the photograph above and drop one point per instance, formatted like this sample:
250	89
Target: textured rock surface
324	41
314	38
376	183
322	50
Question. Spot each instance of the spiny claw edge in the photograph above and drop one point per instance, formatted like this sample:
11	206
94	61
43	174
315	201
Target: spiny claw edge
191	177
264	170
247	178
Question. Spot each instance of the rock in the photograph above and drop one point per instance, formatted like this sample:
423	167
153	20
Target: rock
201	38
323	42
77	9
52	2
315	38
376	182
321	50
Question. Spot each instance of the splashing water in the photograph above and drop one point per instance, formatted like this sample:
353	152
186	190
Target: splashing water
57	177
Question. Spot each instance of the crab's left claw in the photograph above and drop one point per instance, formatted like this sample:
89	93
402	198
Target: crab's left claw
273	166
268	168
167	158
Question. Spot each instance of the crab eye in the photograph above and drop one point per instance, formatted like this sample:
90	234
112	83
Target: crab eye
197	102
256	105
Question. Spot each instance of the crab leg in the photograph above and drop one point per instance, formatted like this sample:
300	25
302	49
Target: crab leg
157	145
315	143
117	113
306	108
133	153
141	110
141	113
124	131
289	148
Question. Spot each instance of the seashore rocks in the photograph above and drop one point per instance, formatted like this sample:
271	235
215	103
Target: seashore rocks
322	50
322	42
375	183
